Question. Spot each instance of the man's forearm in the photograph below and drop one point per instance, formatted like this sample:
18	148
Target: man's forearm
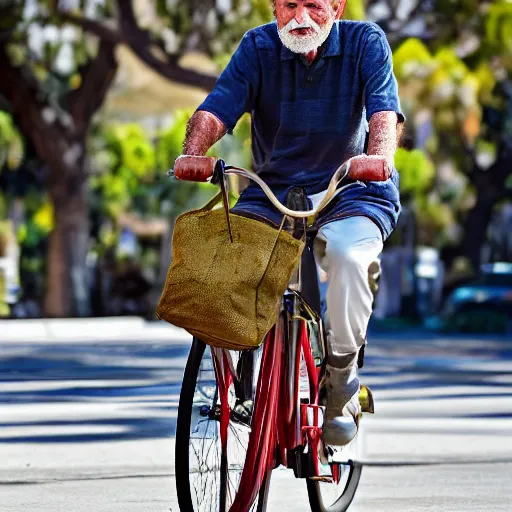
203	131
384	136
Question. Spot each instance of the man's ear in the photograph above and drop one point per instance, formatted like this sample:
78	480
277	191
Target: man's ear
340	9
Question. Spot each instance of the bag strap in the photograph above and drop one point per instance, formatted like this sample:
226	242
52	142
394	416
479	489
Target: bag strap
212	202
225	201
222	195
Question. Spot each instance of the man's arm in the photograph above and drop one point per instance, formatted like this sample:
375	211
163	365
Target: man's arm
384	136
381	97
234	94
203	131
378	163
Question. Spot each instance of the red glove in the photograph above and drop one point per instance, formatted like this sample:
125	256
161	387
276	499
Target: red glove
369	168
194	168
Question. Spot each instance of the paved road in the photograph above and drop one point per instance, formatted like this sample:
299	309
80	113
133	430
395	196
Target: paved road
89	425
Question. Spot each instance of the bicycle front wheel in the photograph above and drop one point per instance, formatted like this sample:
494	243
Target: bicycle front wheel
209	465
336	494
321	493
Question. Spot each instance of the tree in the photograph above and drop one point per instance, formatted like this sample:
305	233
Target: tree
455	79
57	62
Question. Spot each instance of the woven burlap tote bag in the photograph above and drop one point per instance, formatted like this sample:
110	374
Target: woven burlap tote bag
227	276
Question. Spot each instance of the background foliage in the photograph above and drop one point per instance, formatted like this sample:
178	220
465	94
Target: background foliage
61	163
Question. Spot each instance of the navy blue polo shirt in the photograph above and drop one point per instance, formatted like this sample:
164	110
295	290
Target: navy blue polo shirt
308	119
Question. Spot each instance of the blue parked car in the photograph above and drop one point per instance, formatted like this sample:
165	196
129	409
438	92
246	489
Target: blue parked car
485	305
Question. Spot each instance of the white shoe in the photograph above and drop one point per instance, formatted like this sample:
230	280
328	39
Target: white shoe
339	393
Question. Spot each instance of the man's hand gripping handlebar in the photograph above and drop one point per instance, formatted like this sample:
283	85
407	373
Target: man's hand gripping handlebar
207	168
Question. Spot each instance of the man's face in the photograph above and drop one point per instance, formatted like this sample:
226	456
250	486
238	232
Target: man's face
304	25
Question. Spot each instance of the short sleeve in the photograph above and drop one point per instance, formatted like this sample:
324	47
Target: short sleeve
380	86
236	88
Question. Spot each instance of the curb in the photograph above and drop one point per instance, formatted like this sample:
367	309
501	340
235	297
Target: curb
88	330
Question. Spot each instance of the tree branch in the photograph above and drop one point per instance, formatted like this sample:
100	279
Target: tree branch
97	76
140	42
20	89
174	72
470	152
98	29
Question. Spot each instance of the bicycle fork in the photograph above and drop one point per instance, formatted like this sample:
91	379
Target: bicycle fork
261	451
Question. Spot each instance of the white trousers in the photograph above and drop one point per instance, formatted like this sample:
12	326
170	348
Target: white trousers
349	246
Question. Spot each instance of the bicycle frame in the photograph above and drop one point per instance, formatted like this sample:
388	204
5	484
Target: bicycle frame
286	428
283	420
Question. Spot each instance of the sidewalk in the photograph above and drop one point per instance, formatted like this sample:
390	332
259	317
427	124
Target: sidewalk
88	330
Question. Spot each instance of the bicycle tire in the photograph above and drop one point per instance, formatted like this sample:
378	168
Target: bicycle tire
344	491
343	502
184	486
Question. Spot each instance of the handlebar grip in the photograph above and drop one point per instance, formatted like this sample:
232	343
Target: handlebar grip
369	168
194	168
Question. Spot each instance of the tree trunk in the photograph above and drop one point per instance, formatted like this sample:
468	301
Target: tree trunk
475	229
490	189
67	288
60	144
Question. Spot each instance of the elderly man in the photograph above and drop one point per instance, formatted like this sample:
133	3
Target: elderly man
315	86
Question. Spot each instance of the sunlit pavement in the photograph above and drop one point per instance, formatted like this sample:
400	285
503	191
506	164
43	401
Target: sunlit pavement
87	424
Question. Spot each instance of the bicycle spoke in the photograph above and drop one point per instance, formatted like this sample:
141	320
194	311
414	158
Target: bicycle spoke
206	466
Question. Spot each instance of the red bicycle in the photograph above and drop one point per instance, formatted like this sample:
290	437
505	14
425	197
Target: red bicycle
242	414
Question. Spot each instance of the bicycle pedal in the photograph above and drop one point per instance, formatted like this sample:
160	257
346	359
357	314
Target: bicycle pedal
366	400
324	479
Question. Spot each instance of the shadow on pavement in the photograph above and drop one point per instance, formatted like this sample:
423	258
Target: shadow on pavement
122	391
84	392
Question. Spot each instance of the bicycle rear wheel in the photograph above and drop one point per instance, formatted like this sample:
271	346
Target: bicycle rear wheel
336	493
208	471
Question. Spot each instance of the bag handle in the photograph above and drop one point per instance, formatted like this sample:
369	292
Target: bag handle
222	195
212	202
225	201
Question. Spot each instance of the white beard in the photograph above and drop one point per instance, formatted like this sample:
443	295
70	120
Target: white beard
304	44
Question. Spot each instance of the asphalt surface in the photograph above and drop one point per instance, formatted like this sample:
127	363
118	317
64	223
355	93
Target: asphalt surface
88	425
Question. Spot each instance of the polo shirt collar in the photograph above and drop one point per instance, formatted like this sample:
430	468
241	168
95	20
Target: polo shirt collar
332	45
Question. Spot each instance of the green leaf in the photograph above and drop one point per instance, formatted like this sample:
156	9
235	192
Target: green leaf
415	169
499	23
412	57
170	142
354	10
11	143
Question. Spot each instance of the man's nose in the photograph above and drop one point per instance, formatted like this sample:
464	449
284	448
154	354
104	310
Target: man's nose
300	14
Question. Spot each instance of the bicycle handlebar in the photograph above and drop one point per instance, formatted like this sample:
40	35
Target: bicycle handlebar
338	176
202	168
